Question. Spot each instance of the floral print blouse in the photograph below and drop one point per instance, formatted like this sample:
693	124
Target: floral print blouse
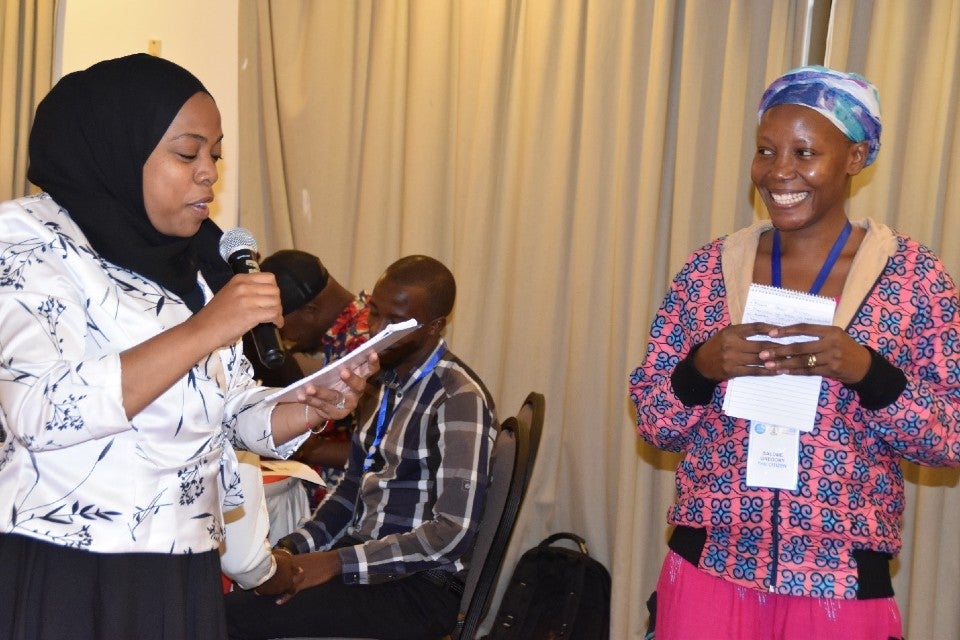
74	471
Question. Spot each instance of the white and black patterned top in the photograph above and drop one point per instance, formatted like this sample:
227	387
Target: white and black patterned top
74	470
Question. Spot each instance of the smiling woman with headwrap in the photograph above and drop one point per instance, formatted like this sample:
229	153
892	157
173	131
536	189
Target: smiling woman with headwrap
123	387
800	547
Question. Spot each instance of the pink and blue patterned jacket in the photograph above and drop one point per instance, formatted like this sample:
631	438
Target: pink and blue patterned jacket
899	301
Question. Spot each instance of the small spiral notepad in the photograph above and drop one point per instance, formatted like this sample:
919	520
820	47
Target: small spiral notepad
789	401
786	306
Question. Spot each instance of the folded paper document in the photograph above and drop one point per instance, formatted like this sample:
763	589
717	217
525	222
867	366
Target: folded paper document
329	376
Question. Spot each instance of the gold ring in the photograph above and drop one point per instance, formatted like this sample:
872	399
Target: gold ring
811	361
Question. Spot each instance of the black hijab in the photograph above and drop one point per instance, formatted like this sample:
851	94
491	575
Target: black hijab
91	136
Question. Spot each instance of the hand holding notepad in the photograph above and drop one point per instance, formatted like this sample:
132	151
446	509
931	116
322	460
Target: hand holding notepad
785	400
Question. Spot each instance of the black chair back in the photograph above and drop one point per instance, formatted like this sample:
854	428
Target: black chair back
512	460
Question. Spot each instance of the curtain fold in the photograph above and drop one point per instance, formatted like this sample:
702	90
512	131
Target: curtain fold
26	66
563	159
911	51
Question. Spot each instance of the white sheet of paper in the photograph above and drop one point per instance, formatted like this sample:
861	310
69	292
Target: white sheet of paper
329	376
773	456
789	401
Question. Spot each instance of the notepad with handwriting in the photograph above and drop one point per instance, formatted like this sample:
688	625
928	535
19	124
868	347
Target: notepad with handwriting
785	400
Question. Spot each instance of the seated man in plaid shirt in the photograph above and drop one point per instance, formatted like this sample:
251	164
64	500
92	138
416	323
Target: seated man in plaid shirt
385	552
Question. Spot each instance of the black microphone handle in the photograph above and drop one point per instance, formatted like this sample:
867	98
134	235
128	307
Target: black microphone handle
266	339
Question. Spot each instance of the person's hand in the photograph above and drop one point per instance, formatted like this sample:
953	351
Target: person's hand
337	403
318	567
323	450
730	353
247	300
285	579
833	354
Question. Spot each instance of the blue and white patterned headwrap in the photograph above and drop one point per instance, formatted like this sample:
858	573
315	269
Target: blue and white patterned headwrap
848	100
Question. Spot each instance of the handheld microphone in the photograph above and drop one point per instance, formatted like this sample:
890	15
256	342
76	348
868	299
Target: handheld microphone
238	248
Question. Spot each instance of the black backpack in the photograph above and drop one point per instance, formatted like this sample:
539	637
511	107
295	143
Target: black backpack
555	593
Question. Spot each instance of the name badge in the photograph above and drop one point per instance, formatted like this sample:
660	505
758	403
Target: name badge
773	456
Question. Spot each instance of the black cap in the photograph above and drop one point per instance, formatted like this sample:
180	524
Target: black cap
300	275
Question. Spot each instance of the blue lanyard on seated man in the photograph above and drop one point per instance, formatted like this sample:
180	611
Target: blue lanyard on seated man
387	406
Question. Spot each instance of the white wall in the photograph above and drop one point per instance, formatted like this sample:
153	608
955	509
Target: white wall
200	35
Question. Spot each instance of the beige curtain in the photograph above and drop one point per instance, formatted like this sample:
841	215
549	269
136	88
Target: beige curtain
563	158
26	63
911	51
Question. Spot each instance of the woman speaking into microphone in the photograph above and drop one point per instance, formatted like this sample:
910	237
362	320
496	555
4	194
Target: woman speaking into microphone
123	387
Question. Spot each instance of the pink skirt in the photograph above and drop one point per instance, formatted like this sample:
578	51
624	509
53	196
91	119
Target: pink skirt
693	605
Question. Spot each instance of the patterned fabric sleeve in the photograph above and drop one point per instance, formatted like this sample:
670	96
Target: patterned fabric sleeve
246	416
49	386
691	312
923	322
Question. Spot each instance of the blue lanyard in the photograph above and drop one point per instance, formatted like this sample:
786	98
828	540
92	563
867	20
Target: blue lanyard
382	416
776	277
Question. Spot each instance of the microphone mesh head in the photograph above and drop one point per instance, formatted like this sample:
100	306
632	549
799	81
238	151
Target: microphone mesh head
236	238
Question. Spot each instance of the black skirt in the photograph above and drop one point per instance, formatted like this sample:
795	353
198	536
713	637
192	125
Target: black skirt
49	592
